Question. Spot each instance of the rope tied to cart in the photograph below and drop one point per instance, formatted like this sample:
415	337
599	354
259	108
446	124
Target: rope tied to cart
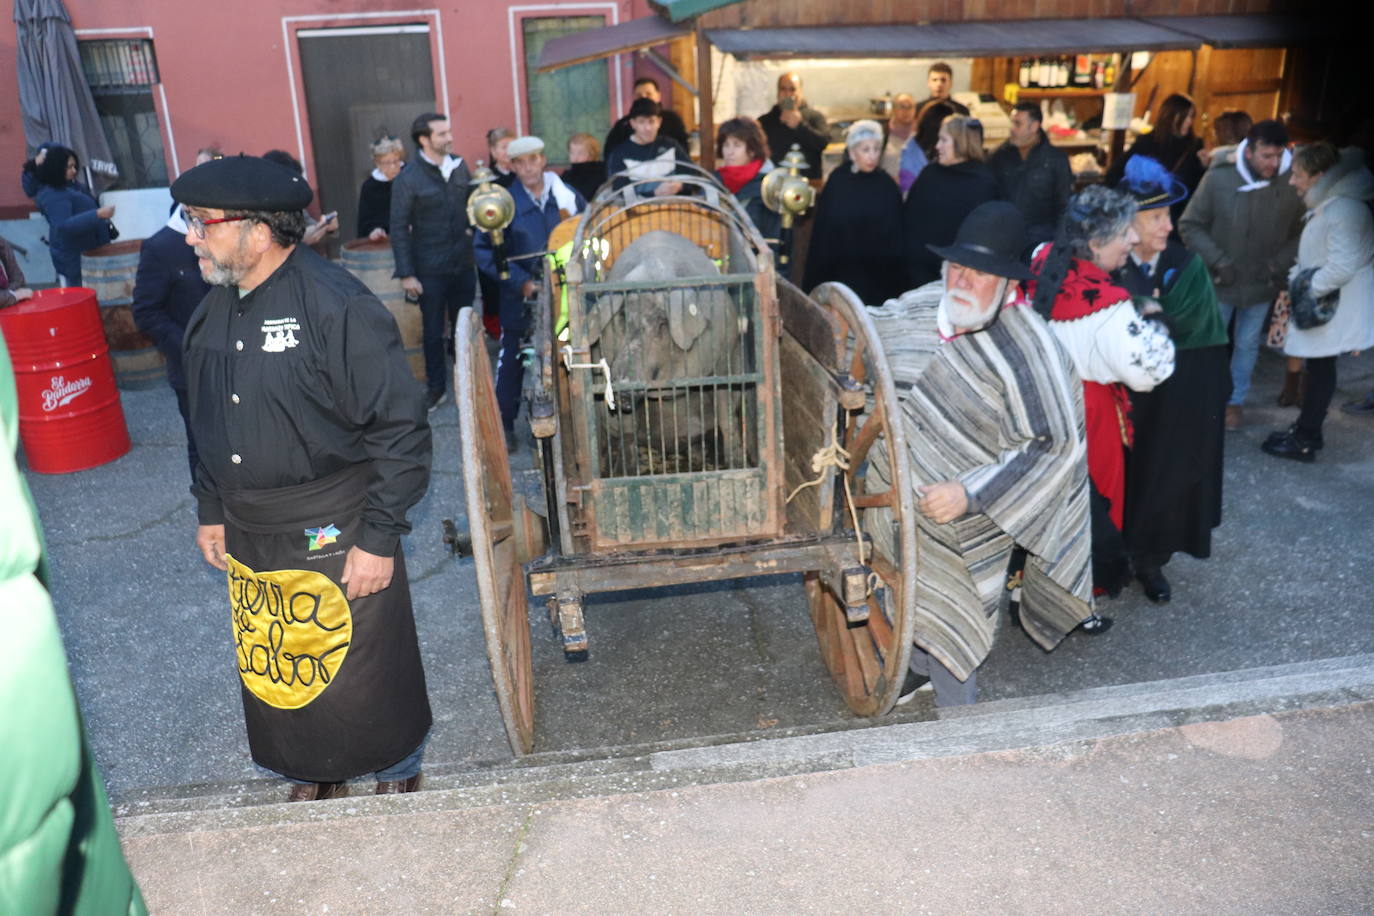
604	366
830	456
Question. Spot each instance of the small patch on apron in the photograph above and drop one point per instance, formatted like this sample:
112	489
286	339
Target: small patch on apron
292	628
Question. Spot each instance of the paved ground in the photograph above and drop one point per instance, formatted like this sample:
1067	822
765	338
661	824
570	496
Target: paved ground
147	635
1266	814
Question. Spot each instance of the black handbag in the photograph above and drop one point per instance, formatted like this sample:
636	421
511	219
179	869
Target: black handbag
1311	311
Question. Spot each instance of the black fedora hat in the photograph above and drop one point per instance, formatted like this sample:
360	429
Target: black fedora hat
990	239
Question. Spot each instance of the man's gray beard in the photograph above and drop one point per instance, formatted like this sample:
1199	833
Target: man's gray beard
964	312
220	273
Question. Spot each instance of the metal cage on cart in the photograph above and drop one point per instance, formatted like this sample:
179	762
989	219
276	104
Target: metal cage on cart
774	448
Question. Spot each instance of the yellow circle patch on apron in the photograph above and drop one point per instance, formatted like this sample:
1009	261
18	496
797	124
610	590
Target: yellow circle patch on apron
292	628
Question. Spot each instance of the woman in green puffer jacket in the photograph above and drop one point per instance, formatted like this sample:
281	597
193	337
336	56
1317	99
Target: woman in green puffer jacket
58	848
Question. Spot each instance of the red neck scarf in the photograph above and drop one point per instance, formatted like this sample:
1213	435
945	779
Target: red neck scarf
1086	289
737	176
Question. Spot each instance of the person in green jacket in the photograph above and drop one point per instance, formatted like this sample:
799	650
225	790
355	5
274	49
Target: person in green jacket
1244	222
58	849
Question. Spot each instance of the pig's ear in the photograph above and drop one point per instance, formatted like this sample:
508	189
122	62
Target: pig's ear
686	317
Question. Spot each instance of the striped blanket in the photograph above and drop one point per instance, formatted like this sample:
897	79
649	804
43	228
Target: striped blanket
1001	411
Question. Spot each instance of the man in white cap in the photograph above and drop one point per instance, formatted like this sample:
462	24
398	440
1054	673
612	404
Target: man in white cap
542	201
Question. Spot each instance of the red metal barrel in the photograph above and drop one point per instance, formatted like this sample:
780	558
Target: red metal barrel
70	418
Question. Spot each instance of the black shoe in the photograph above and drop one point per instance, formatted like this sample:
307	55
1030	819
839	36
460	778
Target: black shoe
1363	407
913	684
1096	625
1155	585
1294	446
1316	441
434	400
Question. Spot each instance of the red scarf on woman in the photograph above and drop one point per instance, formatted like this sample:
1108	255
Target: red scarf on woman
737	176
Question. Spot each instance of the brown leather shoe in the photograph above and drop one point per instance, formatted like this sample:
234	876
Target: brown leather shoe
317	791
1235	416
399	786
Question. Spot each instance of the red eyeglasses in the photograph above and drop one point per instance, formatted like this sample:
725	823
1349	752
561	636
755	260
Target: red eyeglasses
198	225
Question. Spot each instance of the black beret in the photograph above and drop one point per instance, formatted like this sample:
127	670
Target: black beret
242	183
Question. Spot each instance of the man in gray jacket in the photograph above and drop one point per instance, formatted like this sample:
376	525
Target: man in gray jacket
431	241
1244	222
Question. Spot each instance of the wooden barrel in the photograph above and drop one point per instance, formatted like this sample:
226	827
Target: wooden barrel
372	262
110	270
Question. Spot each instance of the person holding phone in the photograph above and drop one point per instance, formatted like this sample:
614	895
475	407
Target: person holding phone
791	121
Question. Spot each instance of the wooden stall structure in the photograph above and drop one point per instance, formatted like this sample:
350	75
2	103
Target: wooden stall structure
1262	56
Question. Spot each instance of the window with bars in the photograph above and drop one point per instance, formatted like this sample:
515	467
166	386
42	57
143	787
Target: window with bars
122	73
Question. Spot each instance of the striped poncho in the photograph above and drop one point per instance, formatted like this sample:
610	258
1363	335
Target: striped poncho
1001	411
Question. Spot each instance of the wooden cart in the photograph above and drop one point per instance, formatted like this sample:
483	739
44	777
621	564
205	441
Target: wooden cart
803	469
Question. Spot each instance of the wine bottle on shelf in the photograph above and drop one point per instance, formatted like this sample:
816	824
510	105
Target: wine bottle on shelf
1099	75
1023	76
1082	71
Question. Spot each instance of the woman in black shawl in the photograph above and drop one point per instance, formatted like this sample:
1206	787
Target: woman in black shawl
1173	471
857	238
945	192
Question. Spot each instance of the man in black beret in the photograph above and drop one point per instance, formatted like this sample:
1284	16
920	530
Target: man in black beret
313	444
993	413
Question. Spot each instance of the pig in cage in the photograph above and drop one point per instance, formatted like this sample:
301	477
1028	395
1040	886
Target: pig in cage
681	342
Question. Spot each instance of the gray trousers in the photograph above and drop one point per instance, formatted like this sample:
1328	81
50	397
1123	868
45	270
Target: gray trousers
949	690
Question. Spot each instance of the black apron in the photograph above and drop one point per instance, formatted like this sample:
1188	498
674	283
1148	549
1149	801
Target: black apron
332	689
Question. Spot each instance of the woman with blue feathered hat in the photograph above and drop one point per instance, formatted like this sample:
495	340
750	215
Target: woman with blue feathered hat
1173	472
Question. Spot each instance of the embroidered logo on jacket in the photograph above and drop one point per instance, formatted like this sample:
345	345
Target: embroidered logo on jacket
279	334
319	538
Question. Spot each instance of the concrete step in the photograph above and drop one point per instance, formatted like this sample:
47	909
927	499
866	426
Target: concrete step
1053	719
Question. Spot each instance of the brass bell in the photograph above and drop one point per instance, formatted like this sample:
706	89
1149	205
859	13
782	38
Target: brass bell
784	189
491	208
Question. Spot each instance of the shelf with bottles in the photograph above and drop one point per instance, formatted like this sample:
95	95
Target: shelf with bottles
1066	74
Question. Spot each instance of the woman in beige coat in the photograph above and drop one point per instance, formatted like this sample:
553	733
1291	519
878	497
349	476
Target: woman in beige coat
1335	258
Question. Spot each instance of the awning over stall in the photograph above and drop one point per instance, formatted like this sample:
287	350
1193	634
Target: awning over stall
955	39
1249	31
595	44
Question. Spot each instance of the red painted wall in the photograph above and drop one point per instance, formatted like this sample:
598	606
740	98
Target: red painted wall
227	81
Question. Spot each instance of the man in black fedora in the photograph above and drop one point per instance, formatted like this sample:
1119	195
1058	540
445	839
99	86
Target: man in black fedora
313	444
993	415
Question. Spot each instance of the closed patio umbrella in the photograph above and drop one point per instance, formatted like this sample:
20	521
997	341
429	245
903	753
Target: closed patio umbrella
53	94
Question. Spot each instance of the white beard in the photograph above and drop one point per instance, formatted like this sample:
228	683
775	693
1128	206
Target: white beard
964	312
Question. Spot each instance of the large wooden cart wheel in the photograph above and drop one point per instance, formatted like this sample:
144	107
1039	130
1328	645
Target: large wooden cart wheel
868	661
492	515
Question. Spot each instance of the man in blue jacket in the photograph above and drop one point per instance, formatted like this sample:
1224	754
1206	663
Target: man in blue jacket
542	201
167	289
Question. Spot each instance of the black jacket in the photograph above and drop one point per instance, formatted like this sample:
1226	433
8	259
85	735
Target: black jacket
585	177
857	236
374	206
429	220
812	135
1038	185
167	289
672	127
302	377
935	206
